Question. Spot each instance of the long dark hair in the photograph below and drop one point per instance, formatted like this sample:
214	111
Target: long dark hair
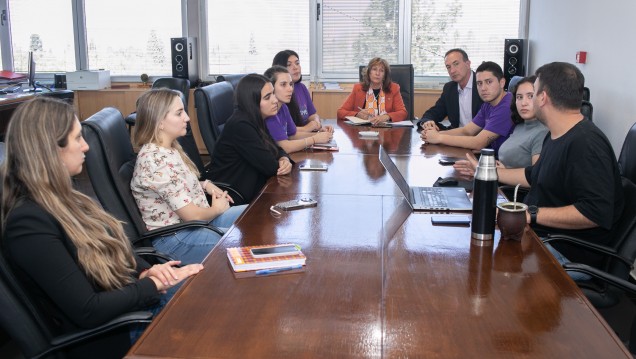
281	60
248	101
514	113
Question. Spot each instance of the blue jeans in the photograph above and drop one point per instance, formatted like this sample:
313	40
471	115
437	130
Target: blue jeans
192	245
225	220
188	245
576	276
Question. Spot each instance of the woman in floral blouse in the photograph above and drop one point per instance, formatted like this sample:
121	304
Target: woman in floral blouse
166	183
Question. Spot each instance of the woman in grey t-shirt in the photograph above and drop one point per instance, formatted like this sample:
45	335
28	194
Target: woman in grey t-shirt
523	147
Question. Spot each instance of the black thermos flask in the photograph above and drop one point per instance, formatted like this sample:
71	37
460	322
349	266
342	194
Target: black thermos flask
485	197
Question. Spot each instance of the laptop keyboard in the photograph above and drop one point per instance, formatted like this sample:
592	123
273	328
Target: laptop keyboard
433	197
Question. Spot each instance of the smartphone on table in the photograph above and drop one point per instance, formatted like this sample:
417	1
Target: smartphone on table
313	167
274	251
296	204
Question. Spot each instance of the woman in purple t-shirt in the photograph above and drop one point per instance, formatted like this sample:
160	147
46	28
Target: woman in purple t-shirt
281	126
300	107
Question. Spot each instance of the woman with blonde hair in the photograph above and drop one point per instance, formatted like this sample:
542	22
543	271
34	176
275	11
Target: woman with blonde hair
166	183
376	98
69	254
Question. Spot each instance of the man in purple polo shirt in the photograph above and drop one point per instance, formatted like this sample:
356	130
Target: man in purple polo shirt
492	125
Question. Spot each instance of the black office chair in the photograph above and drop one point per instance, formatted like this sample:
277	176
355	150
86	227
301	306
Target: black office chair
215	105
586	94
627	157
613	280
233	79
403	75
587	109
110	163
619	255
513	82
26	325
181	85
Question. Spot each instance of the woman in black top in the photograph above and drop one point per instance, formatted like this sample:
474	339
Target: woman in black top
246	155
73	258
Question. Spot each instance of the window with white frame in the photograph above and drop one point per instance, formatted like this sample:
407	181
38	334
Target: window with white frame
478	27
131	37
245	35
332	37
44	27
355	31
352	32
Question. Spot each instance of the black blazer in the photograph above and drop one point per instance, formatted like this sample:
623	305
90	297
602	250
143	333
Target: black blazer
448	105
242	159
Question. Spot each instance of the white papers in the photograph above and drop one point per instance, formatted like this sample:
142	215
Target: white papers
406	123
332	86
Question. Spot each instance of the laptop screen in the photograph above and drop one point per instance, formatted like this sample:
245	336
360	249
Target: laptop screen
395	173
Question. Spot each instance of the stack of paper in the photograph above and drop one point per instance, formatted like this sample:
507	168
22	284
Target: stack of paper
357	121
332	86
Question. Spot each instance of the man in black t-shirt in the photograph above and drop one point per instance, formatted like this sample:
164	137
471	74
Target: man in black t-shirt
575	186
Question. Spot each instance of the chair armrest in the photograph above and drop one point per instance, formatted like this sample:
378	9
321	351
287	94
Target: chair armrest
603	276
152	252
66	340
176	227
131	119
592	247
231	191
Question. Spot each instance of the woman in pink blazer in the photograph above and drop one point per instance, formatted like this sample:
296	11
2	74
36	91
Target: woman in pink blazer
377	98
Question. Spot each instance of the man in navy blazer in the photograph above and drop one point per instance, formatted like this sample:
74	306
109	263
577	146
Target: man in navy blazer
463	83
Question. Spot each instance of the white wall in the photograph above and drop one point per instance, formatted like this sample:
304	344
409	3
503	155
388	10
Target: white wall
606	30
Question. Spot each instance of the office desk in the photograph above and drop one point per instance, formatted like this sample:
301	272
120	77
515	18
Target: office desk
380	281
9	102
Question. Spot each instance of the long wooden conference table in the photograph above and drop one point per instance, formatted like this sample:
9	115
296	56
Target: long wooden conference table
380	281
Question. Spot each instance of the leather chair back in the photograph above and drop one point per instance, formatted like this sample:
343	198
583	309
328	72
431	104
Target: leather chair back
587	109
626	231
627	157
19	317
181	85
233	79
403	75
586	94
30	327
109	163
215	105
513	82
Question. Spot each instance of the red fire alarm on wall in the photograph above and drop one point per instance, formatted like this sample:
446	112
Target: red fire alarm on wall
581	57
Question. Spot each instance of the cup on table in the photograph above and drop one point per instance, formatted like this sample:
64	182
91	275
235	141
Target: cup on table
511	219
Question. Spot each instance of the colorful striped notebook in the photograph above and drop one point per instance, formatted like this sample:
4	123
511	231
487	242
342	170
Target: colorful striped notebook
242	259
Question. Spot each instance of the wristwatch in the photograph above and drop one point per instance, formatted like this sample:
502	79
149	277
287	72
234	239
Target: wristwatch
533	210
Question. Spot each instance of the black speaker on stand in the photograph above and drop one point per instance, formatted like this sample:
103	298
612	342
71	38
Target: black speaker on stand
513	60
184	58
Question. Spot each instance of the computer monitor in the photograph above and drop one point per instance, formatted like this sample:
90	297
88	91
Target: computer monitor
33	87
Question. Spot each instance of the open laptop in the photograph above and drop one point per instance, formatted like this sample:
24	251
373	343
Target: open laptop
427	198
